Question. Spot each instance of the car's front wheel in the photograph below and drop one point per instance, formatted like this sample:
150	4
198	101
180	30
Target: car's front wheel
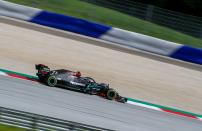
51	81
111	94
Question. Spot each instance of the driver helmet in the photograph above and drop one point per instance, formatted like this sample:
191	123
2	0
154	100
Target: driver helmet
78	74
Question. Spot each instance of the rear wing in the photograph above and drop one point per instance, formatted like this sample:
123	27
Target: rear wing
42	67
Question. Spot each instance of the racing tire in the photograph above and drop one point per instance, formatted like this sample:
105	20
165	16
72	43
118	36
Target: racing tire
111	94
51	81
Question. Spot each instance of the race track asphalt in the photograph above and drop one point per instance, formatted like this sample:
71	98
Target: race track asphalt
64	104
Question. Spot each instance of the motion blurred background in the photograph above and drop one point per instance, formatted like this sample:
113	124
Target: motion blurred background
177	22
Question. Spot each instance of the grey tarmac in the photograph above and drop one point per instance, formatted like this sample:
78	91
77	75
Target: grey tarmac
69	105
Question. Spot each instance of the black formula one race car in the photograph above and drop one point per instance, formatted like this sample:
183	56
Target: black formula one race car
74	81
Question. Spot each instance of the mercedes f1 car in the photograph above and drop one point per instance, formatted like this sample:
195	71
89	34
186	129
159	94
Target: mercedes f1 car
74	81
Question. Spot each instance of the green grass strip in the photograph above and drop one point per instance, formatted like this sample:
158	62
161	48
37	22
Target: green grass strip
110	17
164	107
11	128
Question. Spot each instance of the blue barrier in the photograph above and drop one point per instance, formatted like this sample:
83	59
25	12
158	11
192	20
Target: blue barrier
95	30
72	24
187	53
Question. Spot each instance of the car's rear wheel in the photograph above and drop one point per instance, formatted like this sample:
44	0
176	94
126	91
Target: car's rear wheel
51	81
111	94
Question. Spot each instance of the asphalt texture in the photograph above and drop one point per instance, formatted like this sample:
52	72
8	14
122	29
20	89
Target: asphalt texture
87	109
